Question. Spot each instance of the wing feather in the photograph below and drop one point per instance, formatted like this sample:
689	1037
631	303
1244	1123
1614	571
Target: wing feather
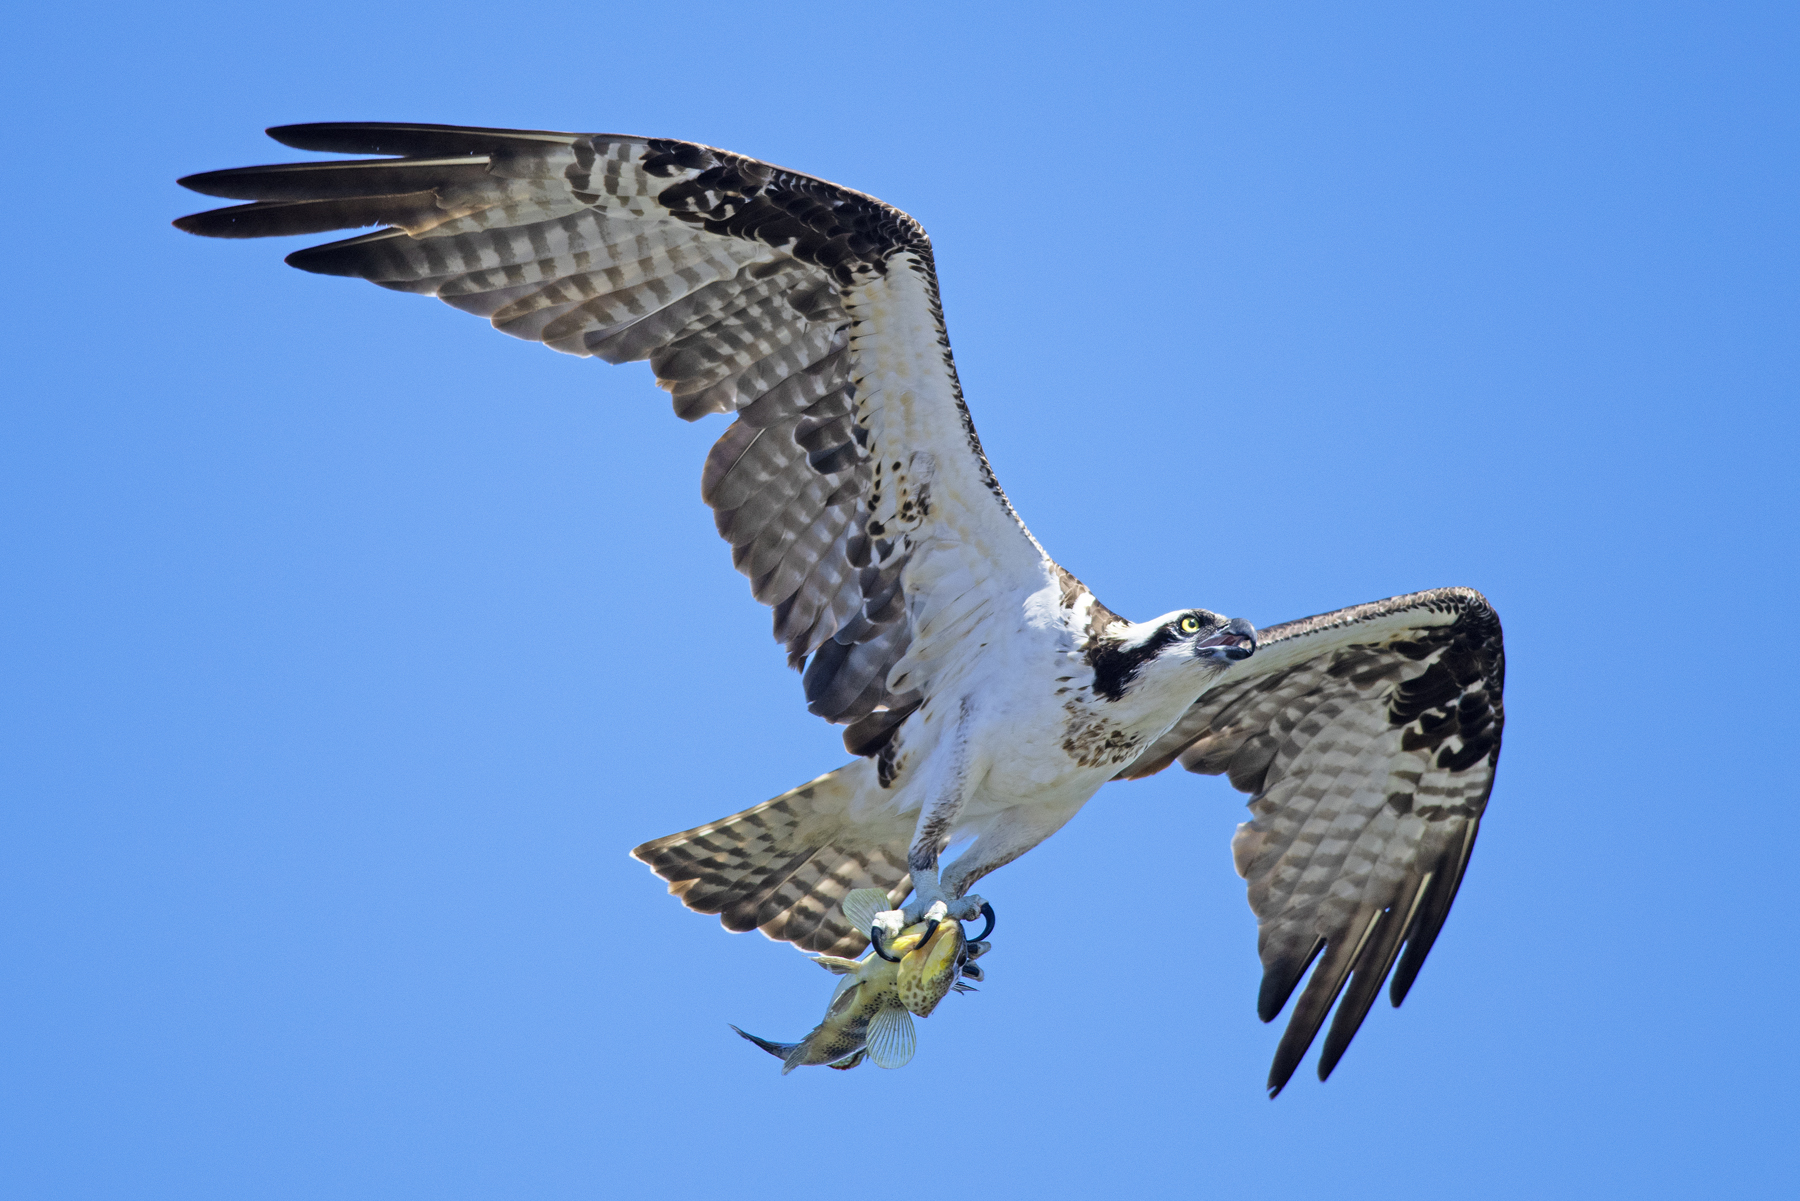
852	482
1367	739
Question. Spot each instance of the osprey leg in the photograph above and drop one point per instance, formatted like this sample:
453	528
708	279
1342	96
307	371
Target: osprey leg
950	787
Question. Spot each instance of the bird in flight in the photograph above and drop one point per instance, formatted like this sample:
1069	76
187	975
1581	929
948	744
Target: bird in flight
985	693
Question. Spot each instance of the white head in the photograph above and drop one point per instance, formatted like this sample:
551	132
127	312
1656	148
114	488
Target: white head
1170	660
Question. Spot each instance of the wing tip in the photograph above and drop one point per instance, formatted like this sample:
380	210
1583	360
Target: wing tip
407	137
1350	981
1280	978
1433	912
345	257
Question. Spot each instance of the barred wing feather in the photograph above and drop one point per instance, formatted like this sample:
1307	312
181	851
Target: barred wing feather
1368	739
851	485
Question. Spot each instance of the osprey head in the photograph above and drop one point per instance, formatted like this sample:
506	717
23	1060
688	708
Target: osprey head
1169	649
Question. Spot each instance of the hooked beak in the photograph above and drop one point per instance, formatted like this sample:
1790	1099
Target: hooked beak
1237	640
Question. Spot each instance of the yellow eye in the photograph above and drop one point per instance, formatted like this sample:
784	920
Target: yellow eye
1190	624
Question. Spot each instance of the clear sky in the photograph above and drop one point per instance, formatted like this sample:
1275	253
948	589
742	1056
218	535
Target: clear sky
349	645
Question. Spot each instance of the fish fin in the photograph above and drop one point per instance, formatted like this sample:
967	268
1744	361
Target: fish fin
861	905
844	1065
778	1050
891	1037
836	964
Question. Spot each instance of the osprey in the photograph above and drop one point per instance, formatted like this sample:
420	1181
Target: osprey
985	692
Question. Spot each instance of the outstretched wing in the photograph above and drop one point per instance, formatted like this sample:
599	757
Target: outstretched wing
851	486
1368	739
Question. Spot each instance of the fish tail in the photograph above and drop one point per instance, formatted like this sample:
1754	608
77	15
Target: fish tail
778	1050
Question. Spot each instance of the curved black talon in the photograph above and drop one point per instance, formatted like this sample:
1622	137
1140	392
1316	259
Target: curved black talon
930	929
987	911
875	941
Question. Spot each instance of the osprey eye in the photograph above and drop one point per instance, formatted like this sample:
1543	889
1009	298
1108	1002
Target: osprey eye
1190	624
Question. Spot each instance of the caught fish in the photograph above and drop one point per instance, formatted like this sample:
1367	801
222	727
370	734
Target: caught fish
871	1010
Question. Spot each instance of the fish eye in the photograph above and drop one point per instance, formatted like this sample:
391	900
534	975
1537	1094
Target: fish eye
1190	624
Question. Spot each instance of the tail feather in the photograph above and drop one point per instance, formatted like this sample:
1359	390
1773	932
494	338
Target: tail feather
783	866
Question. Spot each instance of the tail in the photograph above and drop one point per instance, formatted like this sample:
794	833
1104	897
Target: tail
779	1050
783	866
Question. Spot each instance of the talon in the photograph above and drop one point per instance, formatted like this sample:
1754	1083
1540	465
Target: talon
875	941
930	929
986	911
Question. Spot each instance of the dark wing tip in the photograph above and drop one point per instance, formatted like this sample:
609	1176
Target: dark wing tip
1316	1000
1372	964
266	219
352	257
189	181
1356	971
1280	977
214	183
231	222
1433	910
404	138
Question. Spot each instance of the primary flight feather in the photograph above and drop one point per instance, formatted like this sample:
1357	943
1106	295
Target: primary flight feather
986	693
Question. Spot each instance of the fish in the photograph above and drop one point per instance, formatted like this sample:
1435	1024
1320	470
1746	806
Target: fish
870	1014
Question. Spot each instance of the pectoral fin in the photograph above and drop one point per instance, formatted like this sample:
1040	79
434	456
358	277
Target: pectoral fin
891	1037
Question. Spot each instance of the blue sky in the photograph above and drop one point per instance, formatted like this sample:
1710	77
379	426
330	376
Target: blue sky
350	645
